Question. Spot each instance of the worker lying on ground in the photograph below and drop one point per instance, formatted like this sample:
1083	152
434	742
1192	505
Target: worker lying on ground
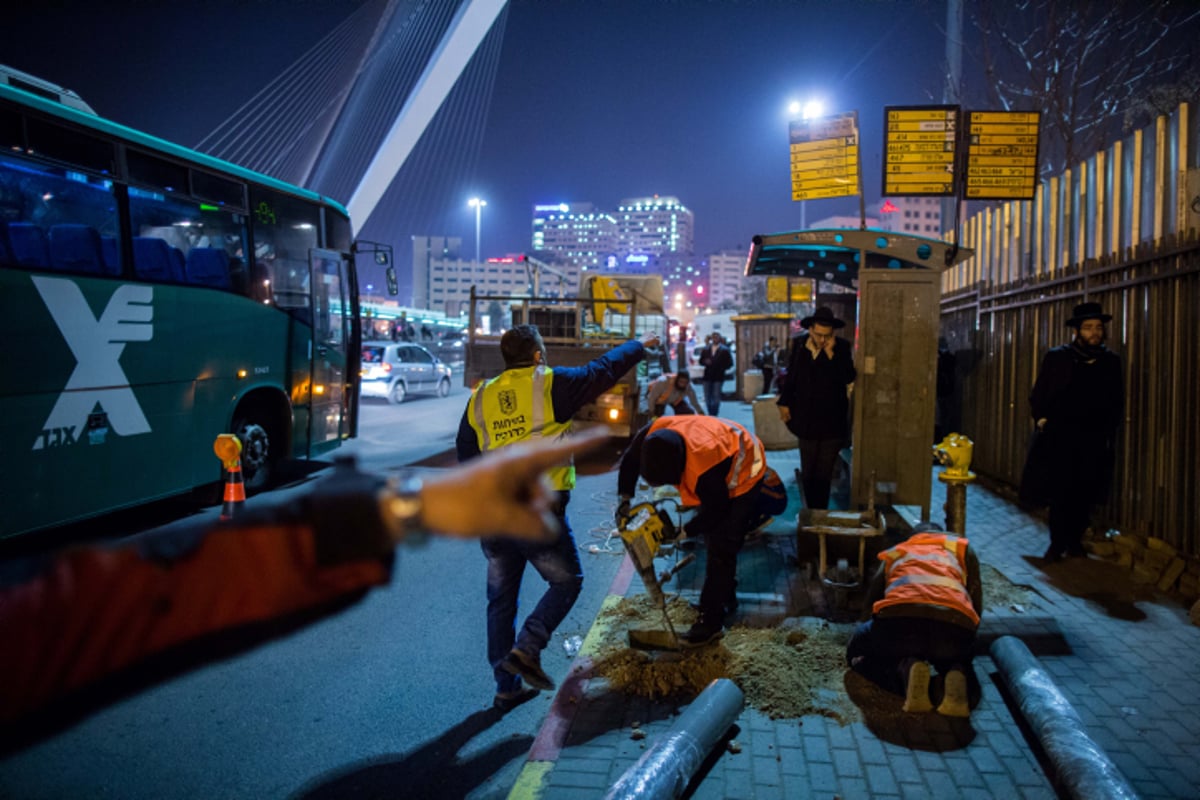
718	466
925	601
75	624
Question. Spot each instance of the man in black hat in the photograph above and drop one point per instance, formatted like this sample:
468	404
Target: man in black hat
1077	403
814	400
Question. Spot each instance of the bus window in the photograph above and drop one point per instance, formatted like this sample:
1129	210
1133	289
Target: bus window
285	230
57	219
181	241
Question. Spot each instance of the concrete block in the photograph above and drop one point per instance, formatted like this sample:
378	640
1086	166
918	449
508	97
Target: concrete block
1160	545
1189	586
1124	557
770	428
1125	543
1156	559
1194	614
1171	574
752	384
1146	574
1102	549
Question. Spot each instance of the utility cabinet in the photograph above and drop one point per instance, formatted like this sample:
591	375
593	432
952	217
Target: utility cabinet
895	392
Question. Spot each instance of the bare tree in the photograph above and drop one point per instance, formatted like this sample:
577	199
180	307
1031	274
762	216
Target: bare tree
1088	65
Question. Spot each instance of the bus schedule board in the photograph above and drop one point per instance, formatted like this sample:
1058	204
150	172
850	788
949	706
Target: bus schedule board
1002	154
919	157
824	154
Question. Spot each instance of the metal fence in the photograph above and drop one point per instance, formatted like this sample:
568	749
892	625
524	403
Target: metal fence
1120	229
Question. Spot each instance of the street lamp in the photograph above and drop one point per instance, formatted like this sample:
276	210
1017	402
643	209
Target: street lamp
811	109
478	205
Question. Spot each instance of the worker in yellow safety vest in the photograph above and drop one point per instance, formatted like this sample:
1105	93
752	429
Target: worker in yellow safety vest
924	601
532	400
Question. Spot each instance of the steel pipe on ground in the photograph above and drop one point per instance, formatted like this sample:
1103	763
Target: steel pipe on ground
666	769
1083	767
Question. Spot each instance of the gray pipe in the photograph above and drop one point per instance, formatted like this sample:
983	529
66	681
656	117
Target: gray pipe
1083	767
665	770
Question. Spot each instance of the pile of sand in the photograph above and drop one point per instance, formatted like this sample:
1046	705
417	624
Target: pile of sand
790	670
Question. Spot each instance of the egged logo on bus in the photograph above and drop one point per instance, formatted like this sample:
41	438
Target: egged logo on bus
98	387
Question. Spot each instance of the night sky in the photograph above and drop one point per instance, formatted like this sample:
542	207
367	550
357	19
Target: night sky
595	100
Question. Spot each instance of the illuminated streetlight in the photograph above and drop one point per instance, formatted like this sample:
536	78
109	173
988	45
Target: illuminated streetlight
811	109
478	205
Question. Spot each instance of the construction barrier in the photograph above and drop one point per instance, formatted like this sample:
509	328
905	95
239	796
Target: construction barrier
228	448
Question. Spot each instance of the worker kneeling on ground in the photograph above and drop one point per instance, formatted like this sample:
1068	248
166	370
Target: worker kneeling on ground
718	466
925	601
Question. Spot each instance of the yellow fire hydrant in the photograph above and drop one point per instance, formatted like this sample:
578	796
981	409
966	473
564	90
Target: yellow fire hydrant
954	453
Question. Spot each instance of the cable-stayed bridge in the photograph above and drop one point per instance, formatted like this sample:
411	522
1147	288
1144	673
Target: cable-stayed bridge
385	114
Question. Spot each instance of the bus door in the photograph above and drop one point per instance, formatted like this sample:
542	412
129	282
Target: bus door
331	338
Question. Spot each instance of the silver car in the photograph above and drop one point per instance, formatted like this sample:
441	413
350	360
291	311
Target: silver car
395	371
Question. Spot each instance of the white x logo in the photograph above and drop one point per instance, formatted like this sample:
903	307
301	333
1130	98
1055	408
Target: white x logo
97	346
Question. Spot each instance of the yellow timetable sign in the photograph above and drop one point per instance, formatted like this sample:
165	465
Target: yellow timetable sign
1002	155
824	156
921	150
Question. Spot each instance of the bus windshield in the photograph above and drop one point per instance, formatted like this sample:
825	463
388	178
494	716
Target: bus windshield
153	298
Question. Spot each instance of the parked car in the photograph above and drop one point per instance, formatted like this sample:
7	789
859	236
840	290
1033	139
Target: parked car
395	371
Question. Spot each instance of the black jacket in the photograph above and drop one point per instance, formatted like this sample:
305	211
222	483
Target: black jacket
716	364
814	390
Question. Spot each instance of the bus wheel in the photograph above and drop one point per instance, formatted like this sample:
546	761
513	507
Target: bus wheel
397	393
444	387
257	458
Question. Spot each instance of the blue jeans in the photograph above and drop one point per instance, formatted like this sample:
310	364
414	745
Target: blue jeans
712	397
558	564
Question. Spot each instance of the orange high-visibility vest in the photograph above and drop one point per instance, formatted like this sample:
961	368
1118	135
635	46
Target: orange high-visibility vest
928	569
711	440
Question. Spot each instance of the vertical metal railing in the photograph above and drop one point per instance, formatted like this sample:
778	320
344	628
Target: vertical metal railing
1120	229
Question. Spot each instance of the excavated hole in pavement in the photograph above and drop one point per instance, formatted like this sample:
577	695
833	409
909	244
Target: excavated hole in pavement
791	670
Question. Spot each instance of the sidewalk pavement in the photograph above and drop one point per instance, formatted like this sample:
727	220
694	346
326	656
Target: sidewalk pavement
1126	659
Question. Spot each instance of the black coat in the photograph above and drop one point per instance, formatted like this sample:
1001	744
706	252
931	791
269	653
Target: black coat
814	390
716	364
1083	402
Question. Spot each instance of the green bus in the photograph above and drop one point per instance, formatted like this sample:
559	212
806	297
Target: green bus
151	298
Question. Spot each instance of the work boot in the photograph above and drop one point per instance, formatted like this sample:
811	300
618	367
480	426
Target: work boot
528	667
507	701
700	634
916	693
954	702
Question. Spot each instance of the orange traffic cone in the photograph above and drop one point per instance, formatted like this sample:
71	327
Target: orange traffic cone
229	449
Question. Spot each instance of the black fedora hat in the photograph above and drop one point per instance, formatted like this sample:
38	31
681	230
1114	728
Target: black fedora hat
822	316
1085	311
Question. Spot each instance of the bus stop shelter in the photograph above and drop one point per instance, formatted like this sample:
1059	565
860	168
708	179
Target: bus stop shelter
897	277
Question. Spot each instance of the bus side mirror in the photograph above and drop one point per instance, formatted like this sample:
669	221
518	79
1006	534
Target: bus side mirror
392	286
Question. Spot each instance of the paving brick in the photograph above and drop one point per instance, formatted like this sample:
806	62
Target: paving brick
881	780
570	777
792	762
766	771
847	763
821	777
941	784
816	749
964	771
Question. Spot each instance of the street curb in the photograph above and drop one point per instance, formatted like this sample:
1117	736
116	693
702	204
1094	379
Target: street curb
548	744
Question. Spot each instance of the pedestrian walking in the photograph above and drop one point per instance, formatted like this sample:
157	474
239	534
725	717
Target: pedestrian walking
767	360
717	361
1077	403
